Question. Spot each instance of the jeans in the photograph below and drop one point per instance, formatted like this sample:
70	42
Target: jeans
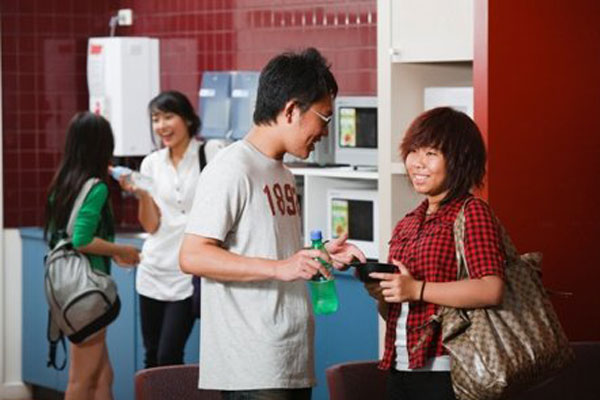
404	385
268	394
166	326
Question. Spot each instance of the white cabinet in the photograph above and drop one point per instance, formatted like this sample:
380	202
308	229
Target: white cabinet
431	30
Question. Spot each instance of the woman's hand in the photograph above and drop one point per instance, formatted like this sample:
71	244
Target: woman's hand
343	253
148	211
398	288
126	184
131	188
127	256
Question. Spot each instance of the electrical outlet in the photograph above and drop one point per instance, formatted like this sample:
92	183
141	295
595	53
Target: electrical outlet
125	17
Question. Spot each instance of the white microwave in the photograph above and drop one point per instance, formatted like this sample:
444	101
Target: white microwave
355	212
355	130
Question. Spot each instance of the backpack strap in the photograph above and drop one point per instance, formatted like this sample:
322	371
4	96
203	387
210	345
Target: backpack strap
55	336
462	273
202	155
85	189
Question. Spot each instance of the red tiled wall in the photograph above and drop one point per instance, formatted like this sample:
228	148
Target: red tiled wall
205	35
43	85
43	63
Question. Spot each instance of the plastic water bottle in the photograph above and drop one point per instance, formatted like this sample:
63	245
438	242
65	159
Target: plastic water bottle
133	177
322	290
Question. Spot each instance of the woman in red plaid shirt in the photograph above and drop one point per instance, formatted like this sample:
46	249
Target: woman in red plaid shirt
445	158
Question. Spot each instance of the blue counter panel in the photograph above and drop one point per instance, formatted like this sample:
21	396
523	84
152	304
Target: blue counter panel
350	334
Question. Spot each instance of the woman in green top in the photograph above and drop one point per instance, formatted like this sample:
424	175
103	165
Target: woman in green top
88	150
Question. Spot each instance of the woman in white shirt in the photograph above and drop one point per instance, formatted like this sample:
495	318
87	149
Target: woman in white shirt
165	292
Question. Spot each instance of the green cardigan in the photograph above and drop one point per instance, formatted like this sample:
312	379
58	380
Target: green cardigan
93	220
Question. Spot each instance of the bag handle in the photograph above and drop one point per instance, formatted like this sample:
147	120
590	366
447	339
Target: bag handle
459	243
508	247
85	189
510	251
462	271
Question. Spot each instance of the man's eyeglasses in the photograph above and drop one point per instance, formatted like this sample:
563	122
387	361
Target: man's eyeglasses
326	120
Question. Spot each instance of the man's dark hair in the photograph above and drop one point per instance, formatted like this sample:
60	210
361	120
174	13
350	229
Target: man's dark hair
304	77
458	138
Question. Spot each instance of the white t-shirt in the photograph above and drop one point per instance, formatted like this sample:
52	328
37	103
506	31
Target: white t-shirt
440	363
254	335
158	274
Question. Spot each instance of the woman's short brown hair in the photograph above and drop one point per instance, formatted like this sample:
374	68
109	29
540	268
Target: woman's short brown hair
458	138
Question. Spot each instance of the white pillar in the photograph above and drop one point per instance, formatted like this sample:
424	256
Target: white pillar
11	317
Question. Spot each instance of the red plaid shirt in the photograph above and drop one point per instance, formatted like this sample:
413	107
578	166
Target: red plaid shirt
425	245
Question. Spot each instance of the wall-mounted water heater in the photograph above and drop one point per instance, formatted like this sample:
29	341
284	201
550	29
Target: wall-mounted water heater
123	76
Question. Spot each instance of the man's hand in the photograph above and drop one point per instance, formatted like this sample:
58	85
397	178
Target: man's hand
343	253
301	265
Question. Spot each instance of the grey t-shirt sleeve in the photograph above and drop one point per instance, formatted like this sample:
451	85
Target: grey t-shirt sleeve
218	203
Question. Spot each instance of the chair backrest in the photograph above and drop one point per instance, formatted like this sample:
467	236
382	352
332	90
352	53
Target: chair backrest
362	380
173	382
356	381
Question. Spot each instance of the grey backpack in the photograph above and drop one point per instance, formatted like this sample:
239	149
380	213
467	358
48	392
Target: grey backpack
81	300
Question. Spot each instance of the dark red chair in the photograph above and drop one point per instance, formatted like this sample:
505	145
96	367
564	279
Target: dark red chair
359	380
579	381
173	382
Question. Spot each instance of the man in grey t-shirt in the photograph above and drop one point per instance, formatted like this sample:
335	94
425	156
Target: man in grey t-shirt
244	239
